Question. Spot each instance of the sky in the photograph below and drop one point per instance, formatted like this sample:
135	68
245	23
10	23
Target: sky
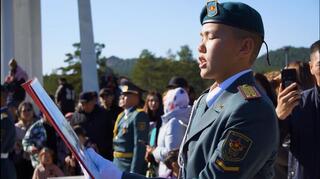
127	27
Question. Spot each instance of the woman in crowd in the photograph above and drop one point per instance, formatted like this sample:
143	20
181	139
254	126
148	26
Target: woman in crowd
154	108
174	122
26	117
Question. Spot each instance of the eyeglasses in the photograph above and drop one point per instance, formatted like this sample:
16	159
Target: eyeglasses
26	110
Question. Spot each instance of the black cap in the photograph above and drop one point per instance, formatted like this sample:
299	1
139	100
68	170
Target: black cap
129	87
177	81
86	97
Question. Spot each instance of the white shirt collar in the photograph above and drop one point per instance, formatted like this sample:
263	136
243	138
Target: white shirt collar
126	111
215	93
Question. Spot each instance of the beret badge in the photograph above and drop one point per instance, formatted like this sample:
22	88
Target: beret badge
212	8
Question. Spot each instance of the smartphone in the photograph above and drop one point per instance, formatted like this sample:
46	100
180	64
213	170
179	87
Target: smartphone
288	76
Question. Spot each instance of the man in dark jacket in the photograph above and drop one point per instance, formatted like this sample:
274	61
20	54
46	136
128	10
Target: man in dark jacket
93	119
65	96
8	133
301	112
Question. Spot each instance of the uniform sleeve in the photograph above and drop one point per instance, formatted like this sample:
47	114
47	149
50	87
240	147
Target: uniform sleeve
248	145
141	129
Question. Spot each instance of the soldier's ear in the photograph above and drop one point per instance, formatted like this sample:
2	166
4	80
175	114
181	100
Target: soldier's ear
246	47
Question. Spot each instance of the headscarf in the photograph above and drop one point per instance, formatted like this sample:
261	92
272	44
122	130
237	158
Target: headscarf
175	99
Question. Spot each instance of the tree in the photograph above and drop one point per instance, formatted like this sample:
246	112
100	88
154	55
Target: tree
154	73
185	53
170	55
72	72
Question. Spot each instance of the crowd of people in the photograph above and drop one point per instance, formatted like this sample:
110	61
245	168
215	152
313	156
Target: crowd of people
225	135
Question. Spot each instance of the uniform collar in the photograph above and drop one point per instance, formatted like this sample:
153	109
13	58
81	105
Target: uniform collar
127	111
214	93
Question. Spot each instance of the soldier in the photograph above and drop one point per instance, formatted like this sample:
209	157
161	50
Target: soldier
233	131
8	134
130	132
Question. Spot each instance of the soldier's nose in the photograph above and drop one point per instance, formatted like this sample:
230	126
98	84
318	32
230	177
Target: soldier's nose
202	48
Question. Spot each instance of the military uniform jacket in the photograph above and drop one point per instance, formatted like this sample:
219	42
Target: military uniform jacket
130	135
235	138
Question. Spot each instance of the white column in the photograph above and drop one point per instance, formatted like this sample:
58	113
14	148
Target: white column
7	46
27	36
88	56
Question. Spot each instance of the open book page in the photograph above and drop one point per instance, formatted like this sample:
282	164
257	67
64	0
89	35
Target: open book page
60	124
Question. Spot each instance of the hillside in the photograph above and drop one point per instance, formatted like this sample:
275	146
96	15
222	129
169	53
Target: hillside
120	66
277	58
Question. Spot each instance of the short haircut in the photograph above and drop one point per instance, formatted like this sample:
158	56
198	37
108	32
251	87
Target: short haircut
315	47
257	39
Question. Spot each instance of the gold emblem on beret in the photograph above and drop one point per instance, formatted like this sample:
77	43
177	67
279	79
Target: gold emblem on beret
249	92
212	9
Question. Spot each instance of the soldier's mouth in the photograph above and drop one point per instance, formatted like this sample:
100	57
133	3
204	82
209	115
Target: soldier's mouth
202	62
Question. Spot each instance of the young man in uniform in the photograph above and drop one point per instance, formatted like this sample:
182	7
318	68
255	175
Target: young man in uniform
233	130
130	132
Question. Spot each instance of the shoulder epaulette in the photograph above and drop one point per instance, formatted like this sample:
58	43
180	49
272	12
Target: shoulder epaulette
140	110
249	92
4	115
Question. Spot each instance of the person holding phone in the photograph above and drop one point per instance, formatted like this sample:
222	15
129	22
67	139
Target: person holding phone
301	112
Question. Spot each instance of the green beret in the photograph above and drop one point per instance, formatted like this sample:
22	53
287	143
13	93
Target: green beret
235	14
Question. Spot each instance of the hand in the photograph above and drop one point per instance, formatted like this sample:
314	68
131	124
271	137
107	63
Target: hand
148	156
106	168
70	161
288	99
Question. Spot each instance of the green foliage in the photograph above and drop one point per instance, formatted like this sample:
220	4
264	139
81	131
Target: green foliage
185	53
72	72
120	66
50	83
151	73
